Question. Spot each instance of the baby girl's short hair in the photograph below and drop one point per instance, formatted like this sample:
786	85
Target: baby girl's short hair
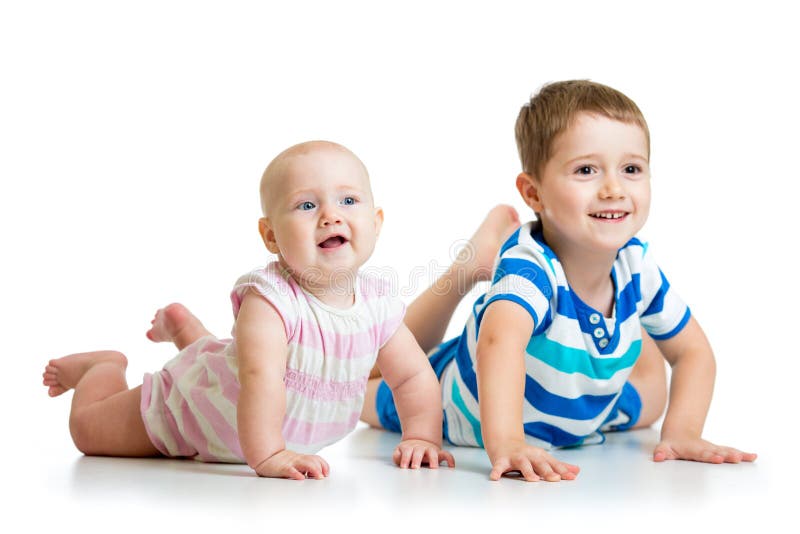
553	109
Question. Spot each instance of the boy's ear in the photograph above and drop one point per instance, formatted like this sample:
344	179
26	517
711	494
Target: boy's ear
378	220
528	188
267	235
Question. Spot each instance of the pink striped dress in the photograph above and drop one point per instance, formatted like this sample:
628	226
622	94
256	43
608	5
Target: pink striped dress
189	407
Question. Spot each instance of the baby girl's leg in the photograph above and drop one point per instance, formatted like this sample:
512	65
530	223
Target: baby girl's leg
428	316
105	419
175	323
649	377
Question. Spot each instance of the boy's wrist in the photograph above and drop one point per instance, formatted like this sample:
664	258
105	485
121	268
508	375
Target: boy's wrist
434	439
675	432
496	445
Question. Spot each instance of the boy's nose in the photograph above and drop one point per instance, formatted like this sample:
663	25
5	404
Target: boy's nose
612	187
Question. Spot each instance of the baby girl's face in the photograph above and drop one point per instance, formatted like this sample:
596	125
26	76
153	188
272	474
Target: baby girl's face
321	216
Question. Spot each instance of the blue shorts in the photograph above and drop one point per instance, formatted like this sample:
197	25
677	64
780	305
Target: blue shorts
623	415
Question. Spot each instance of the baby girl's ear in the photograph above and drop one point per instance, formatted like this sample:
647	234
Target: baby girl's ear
267	235
378	220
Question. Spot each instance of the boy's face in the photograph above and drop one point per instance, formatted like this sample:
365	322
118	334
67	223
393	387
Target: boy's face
321	220
594	192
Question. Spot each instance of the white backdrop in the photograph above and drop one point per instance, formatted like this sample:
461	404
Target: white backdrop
133	136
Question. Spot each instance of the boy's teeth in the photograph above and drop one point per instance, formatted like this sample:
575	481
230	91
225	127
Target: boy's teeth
608	215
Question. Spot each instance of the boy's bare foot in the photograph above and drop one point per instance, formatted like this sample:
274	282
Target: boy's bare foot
477	257
176	323
63	374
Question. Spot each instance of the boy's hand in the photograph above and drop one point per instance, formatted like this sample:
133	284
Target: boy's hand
699	450
289	464
414	452
534	463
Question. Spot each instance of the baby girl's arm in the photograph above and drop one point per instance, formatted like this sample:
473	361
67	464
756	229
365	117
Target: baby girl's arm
261	349
693	372
418	399
505	332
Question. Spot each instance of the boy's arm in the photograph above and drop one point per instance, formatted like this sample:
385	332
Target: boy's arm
417	395
505	333
261	349
693	371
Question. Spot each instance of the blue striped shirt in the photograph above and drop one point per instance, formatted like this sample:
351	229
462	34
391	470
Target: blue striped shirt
577	360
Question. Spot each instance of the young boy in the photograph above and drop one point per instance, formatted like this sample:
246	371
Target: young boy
551	349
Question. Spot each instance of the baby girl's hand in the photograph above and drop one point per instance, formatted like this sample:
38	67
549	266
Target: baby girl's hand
414	452
289	464
534	463
699	450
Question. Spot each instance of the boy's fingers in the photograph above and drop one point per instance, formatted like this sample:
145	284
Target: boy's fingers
661	453
432	458
444	455
732	456
499	467
416	457
709	456
527	471
405	458
573	468
544	470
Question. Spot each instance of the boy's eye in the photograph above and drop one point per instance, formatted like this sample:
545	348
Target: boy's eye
584	170
633	169
305	206
348	201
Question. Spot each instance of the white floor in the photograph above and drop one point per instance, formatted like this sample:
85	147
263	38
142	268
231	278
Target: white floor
619	489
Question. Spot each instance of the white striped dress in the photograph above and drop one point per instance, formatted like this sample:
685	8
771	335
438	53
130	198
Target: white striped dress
189	407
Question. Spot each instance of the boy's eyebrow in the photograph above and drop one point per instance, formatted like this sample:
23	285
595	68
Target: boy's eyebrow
627	155
634	155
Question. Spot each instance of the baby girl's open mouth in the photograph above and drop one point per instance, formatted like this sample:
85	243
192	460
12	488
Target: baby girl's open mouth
611	216
333	242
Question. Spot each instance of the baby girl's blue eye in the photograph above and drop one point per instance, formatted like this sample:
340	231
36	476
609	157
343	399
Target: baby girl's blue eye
348	201
305	206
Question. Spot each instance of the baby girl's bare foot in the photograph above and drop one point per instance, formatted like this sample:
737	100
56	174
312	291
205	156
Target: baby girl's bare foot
63	374
477	257
168	322
176	323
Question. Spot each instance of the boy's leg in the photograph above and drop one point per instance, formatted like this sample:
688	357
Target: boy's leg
649	378
177	324
428	316
105	419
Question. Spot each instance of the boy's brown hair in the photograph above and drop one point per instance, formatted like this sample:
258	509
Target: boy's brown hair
554	107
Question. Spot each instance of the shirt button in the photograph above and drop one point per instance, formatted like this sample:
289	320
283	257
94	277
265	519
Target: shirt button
599	332
594	318
603	343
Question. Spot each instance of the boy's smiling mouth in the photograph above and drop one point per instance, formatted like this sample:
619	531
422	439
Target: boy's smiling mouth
334	241
611	215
